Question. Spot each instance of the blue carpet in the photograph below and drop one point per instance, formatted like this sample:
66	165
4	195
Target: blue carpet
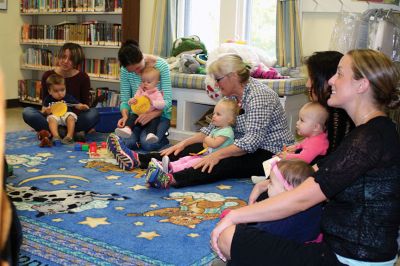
80	211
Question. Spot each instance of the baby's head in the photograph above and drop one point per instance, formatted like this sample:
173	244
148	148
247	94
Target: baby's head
56	86
150	77
312	119
287	174
225	112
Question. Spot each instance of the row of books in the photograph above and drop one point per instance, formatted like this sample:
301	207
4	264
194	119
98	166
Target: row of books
30	91
87	33
107	68
48	6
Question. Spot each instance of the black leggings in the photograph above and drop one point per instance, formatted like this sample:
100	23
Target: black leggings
251	246
233	167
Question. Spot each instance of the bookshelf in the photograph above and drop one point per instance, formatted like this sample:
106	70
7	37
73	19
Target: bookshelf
99	26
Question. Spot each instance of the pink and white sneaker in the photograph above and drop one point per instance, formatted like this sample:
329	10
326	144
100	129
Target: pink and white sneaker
124	132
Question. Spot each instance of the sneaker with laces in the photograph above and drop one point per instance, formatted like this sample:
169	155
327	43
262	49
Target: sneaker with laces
151	138
155	176
165	164
126	158
124	132
112	142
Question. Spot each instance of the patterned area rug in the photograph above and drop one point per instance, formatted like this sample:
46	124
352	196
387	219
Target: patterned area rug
77	210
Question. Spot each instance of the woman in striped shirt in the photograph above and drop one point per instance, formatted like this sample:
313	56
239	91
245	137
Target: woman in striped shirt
133	61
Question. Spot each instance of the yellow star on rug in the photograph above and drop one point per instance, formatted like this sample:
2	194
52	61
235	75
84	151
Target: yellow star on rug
44	154
57	182
22	138
112	177
138	187
148	235
57	220
94	222
73	186
193	235
119	208
62	168
138	223
33	170
224	187
139	173
153	206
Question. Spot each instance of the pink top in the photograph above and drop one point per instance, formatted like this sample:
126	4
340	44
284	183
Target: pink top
155	96
311	147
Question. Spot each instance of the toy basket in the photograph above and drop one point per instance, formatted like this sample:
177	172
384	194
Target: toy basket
108	119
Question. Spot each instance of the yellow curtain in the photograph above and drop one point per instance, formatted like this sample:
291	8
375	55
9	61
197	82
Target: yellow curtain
288	35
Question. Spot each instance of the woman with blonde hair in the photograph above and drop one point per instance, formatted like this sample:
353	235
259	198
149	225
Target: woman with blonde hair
360	180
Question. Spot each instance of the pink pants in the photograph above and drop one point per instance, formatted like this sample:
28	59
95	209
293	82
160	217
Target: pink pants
184	162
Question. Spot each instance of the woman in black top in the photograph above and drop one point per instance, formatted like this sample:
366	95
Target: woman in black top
361	179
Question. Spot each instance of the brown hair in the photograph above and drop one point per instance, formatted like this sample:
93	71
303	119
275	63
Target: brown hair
151	70
230	63
77	54
295	171
54	79
381	73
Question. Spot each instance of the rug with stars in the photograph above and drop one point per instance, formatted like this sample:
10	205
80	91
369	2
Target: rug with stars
78	210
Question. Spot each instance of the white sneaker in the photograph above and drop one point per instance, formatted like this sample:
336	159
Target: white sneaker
151	138
165	164
258	179
124	132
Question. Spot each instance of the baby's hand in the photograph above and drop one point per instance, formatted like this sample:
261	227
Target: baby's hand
291	149
46	110
82	107
132	101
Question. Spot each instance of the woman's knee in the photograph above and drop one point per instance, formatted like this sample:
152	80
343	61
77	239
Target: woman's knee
225	241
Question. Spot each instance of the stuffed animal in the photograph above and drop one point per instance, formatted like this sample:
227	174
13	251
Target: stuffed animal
261	71
212	89
45	138
188	45
188	64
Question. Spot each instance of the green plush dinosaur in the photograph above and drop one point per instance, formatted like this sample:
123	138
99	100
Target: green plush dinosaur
188	45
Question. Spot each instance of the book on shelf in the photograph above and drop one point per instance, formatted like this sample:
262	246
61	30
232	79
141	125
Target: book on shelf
30	90
55	6
106	97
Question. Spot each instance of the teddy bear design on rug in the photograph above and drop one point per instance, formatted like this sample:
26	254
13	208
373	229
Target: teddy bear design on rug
45	138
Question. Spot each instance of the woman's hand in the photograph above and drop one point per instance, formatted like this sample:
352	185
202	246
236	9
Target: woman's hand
176	149
145	118
221	226
257	190
46	110
82	107
208	162
122	121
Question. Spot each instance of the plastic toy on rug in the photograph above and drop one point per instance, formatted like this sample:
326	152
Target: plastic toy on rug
141	106
101	152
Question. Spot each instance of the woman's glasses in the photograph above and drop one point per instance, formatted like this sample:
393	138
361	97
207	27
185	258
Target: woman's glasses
219	79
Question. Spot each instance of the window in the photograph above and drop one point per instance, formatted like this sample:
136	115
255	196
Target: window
216	21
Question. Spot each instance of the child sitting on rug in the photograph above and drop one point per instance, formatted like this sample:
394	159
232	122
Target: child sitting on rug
57	93
224	116
148	88
311	125
285	175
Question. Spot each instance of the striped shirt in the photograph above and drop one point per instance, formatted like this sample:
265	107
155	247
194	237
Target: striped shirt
263	124
130	82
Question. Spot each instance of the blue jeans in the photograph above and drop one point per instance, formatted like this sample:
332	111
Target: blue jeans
34	118
139	136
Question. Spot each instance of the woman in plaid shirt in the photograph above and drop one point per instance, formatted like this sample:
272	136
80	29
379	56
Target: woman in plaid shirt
261	131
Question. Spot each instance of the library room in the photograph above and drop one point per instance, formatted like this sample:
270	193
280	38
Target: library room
243	130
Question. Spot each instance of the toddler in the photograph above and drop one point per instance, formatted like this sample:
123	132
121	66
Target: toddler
285	175
148	88
224	116
311	125
57	93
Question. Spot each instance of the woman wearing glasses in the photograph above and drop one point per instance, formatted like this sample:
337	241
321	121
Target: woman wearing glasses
261	131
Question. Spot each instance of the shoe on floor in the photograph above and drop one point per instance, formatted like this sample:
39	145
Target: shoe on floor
126	158
80	136
112	141
258	179
151	138
165	164
67	140
124	132
155	177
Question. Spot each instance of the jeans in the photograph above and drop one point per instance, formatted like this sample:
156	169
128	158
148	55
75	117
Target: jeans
139	136
34	118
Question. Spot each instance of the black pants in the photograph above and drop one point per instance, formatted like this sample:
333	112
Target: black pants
233	167
251	246
150	127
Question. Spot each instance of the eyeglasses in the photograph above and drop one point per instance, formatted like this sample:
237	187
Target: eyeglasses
279	175
219	79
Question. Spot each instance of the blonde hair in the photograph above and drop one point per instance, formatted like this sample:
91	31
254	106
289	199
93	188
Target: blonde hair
318	112
381	73
295	171
151	70
232	107
230	63
54	79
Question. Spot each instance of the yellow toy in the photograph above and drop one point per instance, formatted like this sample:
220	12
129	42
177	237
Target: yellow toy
59	108
141	106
